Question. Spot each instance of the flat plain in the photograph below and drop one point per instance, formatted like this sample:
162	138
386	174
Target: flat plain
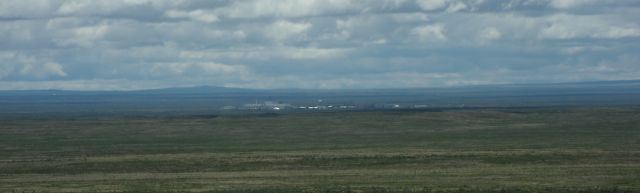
473	150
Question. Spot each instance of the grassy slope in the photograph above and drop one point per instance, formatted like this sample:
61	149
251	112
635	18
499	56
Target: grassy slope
571	149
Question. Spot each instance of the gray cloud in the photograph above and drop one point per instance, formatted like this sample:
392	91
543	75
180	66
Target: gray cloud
133	44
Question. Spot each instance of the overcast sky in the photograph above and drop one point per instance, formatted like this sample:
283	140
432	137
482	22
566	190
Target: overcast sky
139	44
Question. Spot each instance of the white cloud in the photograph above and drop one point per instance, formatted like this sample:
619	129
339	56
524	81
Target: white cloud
380	41
565	4
268	53
457	6
283	30
489	34
80	7
391	4
21	66
197	69
85	36
197	15
449	6
429	5
363	29
430	33
618	32
624	64
563	26
582	49
312	53
285	8
92	84
27	8
42	70
410	17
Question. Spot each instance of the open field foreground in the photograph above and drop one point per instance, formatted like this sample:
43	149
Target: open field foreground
543	150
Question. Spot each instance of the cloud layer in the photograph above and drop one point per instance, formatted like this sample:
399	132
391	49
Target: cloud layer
136	44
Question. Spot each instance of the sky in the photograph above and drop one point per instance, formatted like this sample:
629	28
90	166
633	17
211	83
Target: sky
314	44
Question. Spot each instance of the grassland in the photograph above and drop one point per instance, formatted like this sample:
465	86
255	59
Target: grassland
544	150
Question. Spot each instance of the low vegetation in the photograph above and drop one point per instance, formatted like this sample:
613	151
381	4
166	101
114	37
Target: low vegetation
481	150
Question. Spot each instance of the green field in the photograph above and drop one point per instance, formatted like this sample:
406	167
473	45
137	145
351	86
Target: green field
543	150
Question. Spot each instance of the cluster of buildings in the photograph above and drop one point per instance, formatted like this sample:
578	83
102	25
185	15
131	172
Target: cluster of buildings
277	106
320	106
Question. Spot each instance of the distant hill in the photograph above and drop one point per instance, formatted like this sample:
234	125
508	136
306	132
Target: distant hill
630	84
209	99
191	90
174	90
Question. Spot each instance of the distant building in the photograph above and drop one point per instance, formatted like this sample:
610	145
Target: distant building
277	105
228	108
252	106
420	106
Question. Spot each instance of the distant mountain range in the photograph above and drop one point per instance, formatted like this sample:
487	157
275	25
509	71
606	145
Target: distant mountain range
630	84
209	99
